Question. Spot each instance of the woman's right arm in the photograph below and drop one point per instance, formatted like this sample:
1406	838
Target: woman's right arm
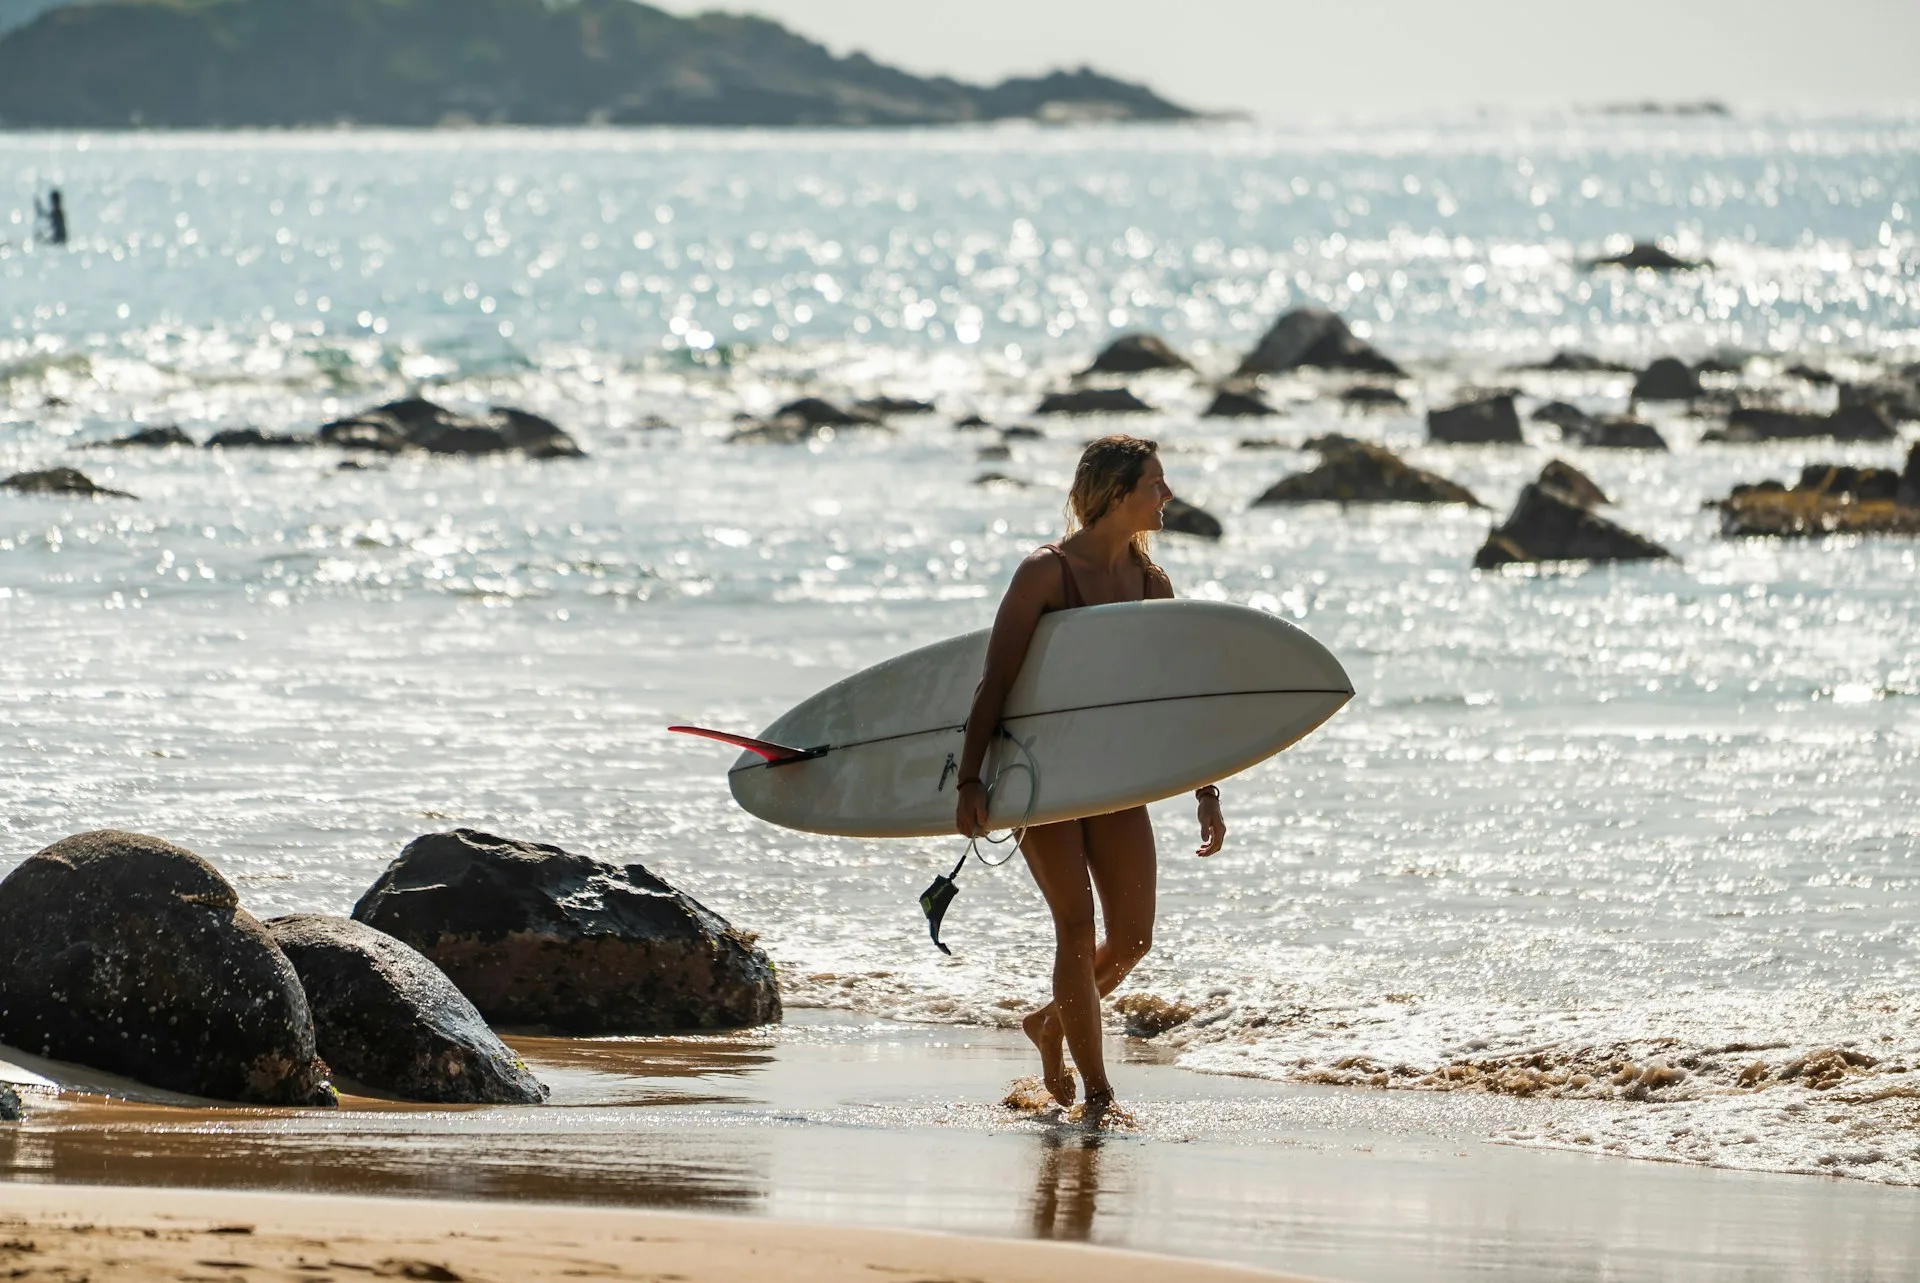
1035	583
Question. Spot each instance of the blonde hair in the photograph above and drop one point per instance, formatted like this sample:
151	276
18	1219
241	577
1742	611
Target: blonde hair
1109	471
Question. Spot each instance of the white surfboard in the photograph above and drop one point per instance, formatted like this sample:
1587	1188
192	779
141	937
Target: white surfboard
1114	707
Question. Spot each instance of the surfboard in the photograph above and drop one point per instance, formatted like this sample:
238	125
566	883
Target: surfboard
1115	706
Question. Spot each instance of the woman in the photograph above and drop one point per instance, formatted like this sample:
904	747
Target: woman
1118	492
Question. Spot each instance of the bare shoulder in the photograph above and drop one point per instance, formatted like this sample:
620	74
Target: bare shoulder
1037	579
1159	584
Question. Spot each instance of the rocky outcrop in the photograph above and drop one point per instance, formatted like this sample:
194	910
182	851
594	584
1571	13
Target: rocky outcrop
1360	472
1093	401
1828	499
1667	379
1237	403
1566	362
67	481
418	424
1314	337
1183	518
254	438
1567	480
1896	397
540	937
169	434
128	954
1547	525
1481	421
1569	418
1749	424
881	406
1648	255
1371	396
819	412
1136	354
385	1016
1617	434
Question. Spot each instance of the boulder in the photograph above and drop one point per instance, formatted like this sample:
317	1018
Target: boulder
1237	403
1907	495
1371	396
387	1017
10	1111
1809	374
1484	420
243	438
1618	434
1668	379
881	406
1359	472
1135	354
69	481
1721	365
1565	362
169	434
821	413
786	430
1897	399
1312	336
1828	499
1646	254
418	424
1022	432
1183	518
540	937
1001	481
971	422
1093	401
128	954
1576	485
1569	418
1546	525
1748	424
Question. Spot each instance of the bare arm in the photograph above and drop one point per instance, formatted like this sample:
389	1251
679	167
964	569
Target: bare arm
1036	587
1213	826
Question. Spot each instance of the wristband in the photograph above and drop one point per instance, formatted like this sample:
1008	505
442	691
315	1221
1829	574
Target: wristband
971	779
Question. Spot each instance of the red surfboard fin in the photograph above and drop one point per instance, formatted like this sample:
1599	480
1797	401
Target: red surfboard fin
774	754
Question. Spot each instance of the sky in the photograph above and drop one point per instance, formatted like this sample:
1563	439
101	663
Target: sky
1282	59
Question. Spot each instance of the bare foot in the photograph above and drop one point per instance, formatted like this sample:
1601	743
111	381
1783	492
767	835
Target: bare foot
1045	1035
1101	1113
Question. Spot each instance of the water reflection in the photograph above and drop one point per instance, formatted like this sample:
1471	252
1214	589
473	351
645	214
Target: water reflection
1066	1188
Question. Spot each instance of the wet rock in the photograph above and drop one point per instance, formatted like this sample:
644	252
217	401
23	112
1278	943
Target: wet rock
1000	480
1908	493
1237	403
1896	398
821	413
881	406
1721	365
1648	255
787	430
1314	337
1569	418
540	937
10	1110
1262	443
67	481
1567	480
1484	420
993	453
1136	354
1667	379
1359	472
1093	401
1748	424
1809	374
418	424
1565	362
1022	432
245	438
972	421
1371	396
1183	518
169	434
1618	434
1827	499
128	954
1546	525
387	1017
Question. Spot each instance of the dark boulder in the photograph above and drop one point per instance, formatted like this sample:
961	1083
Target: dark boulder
1359	472
1546	525
1183	518
971	422
1576	485
1093	401
1828	499
418	424
1314	337
540	937
1809	374
788	429
1748	424
1569	418
1022	432
1565	362
1237	403
821	413
1646	254
1721	365
1667	379
245	438
10	1111
1908	493
1484	420
1136	354
1618	434
68	481
1897	399
169	434
881	406
1371	396
128	954
387	1017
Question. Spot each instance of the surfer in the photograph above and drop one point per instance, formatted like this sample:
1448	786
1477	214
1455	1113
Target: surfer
1118	492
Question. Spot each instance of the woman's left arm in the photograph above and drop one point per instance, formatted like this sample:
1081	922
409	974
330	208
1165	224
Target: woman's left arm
1213	827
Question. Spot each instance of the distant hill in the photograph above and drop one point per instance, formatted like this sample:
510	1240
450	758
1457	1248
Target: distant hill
233	63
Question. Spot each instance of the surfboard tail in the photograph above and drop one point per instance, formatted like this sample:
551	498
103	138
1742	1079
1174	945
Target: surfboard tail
773	754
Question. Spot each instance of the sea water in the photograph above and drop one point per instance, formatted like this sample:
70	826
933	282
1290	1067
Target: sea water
1577	827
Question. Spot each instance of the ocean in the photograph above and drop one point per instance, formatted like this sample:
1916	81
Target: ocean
1577	826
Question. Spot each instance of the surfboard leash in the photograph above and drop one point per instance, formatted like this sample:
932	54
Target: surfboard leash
937	897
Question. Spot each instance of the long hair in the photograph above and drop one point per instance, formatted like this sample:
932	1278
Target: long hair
1109	470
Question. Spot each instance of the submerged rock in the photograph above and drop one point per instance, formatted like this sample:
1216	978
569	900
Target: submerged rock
1828	499
166	435
1359	472
68	481
1576	485
1809	374
1618	434
1002	481
822	413
1566	362
1667	379
1136	354
1896	398
1237	403
1483	421
1093	401
418	424
1022	432
1648	255
10	1110
1547	525
1748	424
1567	417
1314	337
1183	518
537	936
386	1016
128	954
1371	396
880	406
242	438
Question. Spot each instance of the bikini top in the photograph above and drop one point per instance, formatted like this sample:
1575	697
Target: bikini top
1074	598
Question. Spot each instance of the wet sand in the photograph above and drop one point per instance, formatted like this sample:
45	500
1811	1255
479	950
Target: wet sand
836	1122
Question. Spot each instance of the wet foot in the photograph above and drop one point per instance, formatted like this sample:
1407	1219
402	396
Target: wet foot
1045	1035
1101	1113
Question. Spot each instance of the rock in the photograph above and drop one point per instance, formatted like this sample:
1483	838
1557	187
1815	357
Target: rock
387	1017
1667	379
821	413
1237	403
168	435
1371	396
1576	485
69	481
1565	362
1896	399
10	1110
1570	419
1002	481
1183	518
418	424
1262	443
1486	420
538	936
1619	434
1646	254
1748	424
1721	365
1908	493
240	438
972	421
1828	499
128	954
1809	374
1135	354
786	430
1312	336
1093	401
881	406
993	453
1358	472
1546	525
1022	432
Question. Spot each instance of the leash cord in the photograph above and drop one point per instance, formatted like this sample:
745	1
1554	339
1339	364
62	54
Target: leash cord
1018	831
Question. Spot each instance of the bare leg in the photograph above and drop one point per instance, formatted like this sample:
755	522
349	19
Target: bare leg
1056	856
